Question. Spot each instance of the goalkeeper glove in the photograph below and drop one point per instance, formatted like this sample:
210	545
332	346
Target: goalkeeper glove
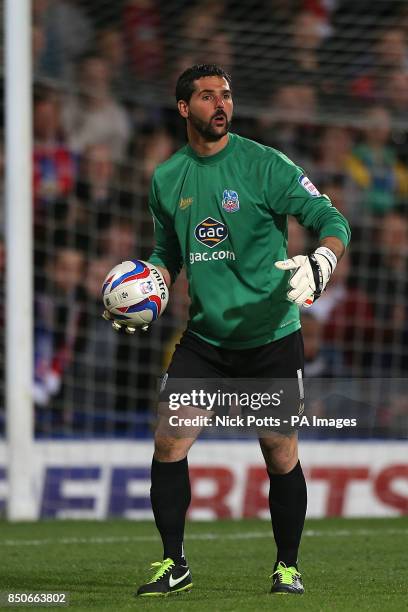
118	325
310	275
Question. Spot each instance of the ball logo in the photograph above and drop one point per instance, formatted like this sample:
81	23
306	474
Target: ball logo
160	282
146	287
211	232
230	201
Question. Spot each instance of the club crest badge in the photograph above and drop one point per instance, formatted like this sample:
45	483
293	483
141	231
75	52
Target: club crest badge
230	201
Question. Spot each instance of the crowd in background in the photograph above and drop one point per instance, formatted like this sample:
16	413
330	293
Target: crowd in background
324	81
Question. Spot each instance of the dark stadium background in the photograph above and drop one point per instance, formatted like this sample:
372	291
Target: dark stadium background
325	81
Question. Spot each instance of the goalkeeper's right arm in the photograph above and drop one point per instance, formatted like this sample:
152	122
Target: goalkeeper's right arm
167	253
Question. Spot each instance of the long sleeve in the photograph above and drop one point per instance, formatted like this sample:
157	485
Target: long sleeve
292	193
167	252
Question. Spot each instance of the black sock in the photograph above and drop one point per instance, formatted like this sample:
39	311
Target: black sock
170	495
287	503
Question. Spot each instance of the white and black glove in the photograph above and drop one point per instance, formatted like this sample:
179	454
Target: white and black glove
310	275
118	325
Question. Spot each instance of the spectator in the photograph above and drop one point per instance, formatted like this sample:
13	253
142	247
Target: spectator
308	31
323	10
291	54
293	51
347	318
354	51
390	54
37	50
54	175
58	310
395	94
205	34
118	240
319	363
289	123
98	195
199	22
107	390
94	116
158	146
385	263
334	148
94	376
219	50
111	48
62	33
340	191
381	180
143	38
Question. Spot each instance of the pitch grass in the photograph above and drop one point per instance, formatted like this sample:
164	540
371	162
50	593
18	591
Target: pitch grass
347	565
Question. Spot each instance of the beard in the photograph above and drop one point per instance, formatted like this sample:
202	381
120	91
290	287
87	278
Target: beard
207	130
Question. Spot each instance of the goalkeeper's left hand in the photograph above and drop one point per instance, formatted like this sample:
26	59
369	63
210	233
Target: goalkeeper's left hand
118	325
311	275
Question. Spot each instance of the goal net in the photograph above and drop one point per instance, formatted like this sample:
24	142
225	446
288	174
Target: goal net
325	81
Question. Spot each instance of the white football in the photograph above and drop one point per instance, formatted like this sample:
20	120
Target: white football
135	293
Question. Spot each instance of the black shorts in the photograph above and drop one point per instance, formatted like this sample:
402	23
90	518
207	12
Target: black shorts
195	358
274	369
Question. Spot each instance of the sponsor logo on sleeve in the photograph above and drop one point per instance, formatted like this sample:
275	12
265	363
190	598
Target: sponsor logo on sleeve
211	232
308	186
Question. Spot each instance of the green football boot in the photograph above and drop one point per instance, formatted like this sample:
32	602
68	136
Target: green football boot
286	580
168	579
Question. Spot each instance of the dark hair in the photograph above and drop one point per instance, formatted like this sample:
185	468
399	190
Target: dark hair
45	93
185	83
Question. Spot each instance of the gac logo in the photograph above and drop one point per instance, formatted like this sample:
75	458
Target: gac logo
211	232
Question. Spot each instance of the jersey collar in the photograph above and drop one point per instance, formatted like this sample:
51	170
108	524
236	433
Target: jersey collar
206	160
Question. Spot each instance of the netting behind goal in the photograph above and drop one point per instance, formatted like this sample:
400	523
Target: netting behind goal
325	81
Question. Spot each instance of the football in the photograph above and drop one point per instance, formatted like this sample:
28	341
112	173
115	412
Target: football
134	293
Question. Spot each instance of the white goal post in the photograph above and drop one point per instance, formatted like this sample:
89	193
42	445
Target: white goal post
19	245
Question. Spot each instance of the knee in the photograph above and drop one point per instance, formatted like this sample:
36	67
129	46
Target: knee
170	450
281	458
281	465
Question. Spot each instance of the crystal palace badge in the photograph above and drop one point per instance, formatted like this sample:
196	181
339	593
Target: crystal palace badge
230	201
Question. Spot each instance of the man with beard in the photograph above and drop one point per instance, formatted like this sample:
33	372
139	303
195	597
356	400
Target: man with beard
220	207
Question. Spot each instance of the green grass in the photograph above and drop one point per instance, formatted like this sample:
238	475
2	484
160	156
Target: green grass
347	565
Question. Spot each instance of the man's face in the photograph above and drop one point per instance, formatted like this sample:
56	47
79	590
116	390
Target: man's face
95	77
67	269
46	119
210	108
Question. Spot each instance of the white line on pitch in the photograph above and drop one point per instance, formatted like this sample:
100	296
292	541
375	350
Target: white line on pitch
248	535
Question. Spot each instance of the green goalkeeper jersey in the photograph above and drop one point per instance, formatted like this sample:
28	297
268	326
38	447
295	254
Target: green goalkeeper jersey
225	217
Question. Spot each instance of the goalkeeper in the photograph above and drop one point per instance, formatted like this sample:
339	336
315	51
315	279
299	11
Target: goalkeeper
220	207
